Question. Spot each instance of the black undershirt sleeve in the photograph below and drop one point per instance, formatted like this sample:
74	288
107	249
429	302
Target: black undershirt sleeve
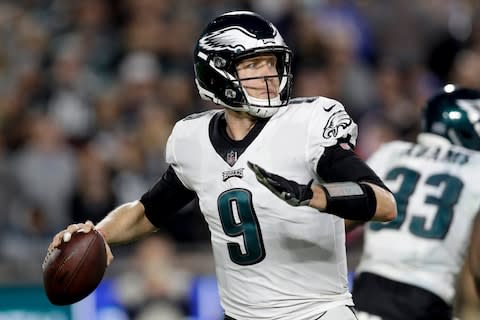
166	197
339	165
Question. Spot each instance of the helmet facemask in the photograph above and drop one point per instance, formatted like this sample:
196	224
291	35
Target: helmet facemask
277	97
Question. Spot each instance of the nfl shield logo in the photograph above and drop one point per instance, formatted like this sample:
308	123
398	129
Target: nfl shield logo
231	157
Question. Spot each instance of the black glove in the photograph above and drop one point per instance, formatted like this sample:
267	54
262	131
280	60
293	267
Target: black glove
293	193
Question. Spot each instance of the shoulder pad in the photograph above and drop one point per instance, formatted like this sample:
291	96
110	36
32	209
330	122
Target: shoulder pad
200	114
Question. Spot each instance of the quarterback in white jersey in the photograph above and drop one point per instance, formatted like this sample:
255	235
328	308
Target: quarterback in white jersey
279	244
413	262
268	254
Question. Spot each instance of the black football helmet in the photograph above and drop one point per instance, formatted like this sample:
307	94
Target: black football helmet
454	115
228	39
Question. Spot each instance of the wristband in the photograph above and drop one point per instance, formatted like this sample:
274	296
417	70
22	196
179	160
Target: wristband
350	200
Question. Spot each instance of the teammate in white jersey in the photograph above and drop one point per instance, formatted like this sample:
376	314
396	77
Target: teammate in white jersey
279	245
412	263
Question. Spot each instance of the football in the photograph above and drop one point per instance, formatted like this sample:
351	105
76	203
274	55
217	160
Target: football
75	268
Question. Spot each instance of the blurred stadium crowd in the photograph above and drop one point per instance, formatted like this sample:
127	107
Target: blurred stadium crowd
89	91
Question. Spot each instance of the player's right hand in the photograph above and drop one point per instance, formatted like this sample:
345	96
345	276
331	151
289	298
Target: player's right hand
66	235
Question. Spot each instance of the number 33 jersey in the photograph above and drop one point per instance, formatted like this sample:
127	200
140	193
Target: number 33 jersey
273	261
438	196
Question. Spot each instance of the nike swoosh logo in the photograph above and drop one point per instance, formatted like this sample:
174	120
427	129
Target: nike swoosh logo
329	108
324	311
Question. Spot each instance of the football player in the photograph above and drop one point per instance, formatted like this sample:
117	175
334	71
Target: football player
278	239
412	263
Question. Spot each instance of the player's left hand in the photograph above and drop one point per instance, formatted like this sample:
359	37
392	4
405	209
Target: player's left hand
293	193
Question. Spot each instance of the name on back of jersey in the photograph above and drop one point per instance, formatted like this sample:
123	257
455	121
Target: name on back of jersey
436	153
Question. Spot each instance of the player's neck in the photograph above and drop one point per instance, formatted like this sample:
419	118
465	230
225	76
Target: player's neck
238	124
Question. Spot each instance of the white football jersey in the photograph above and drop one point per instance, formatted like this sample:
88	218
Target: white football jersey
438	196
273	261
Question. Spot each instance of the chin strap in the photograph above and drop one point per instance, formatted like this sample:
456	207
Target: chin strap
268	103
263	108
